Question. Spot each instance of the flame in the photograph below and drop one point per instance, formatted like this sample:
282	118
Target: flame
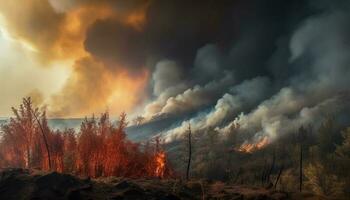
160	164
251	147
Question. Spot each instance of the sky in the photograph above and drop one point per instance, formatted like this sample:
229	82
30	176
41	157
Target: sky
268	65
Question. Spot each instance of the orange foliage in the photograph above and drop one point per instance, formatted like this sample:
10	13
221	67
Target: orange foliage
99	149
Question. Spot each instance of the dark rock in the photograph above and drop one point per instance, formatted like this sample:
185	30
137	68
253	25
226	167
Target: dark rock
133	192
15	184
269	186
23	184
122	185
54	185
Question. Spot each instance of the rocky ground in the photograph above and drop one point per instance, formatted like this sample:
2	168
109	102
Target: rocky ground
20	184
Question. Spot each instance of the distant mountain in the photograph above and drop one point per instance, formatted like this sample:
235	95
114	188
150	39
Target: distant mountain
61	123
3	120
57	123
135	133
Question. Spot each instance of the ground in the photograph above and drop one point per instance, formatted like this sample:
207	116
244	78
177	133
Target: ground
20	184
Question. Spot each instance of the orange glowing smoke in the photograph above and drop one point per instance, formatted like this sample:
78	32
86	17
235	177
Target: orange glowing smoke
126	91
58	38
92	88
160	164
251	147
70	41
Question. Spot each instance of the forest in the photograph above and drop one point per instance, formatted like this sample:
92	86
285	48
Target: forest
100	148
313	159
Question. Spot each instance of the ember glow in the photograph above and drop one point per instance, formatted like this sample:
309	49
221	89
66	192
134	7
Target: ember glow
160	164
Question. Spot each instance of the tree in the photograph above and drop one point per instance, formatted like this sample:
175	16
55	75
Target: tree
326	137
70	146
343	150
138	120
99	149
322	182
21	136
189	151
301	137
342	155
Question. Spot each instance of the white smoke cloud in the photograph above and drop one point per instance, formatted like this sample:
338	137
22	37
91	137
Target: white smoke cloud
167	82
241	97
197	97
166	75
174	94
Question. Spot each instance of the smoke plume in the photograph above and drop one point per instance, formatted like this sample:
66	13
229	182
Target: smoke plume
268	66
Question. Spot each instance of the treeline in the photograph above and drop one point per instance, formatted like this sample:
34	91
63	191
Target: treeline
313	159
100	148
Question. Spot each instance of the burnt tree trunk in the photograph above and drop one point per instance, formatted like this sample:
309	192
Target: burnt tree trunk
301	167
189	152
279	176
272	166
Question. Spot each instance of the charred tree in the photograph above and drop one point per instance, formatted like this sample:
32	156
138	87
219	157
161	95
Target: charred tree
301	168
279	176
189	151
301	137
272	166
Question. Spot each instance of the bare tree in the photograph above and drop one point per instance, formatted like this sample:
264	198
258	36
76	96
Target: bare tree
279	175
28	101
301	137
189	151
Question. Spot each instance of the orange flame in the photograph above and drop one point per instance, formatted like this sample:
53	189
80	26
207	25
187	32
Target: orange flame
160	164
251	147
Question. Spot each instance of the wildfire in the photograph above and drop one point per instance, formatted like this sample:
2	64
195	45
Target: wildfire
160	164
251	147
100	148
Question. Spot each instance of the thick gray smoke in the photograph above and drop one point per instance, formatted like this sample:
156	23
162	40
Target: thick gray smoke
177	95
305	79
